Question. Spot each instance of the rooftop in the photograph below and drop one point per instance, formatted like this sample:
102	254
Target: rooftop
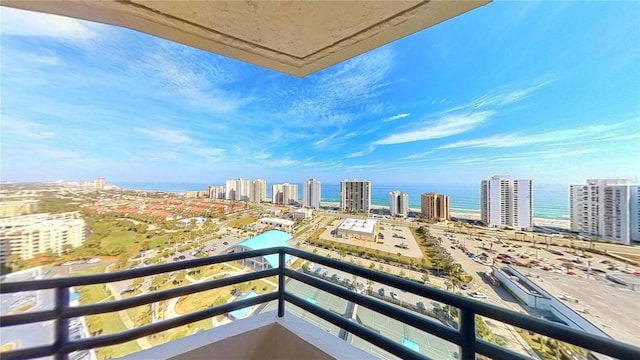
359	225
269	239
612	308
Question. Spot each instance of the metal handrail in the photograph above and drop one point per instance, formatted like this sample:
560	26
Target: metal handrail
464	337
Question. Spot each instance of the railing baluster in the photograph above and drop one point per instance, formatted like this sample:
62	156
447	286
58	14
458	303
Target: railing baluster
61	322
468	331
281	265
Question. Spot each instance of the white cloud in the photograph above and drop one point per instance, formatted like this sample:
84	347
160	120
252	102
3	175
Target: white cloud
598	132
329	97
444	127
396	117
166	135
182	72
361	153
33	24
417	156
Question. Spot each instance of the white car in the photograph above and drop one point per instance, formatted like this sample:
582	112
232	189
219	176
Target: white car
477	295
394	295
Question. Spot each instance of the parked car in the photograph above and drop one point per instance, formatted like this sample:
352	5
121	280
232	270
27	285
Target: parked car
477	295
381	291
421	306
394	295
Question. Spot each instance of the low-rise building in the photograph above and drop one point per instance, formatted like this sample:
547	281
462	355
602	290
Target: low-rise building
273	238
303	214
29	235
278	223
363	229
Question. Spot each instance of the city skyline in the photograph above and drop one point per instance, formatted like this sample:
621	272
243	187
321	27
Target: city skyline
507	100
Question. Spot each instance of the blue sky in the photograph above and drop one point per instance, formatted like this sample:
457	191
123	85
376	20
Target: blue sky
540	90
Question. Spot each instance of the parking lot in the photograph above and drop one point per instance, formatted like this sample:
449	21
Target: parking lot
392	235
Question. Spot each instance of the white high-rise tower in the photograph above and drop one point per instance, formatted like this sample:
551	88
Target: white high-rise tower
398	203
606	209
505	202
311	193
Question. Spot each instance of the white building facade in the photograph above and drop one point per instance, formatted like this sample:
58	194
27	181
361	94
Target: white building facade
355	196
216	192
398	203
284	194
606	209
505	202
311	193
258	191
29	235
238	189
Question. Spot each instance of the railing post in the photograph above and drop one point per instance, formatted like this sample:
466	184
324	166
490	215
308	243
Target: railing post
281	283
468	332
61	322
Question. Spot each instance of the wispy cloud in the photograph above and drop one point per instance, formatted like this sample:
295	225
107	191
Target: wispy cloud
329	98
166	135
417	156
444	127
586	133
396	117
24	128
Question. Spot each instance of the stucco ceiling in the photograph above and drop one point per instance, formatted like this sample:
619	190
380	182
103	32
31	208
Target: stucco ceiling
295	37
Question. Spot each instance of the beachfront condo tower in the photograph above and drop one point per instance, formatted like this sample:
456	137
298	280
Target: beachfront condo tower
284	194
258	191
311	194
434	206
398	203
606	209
506	203
355	196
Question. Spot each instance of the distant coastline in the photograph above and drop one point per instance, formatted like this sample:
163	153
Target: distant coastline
551	205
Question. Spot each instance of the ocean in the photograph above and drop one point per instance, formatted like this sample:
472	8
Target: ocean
549	201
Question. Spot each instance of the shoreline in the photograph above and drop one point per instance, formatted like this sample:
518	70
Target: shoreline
537	221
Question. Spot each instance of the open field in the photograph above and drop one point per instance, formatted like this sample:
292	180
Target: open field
241	222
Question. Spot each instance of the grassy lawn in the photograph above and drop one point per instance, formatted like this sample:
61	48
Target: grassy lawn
186	330
239	223
206	271
109	323
219	296
316	234
302	231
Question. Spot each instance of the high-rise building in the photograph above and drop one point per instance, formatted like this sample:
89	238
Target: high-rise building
29	235
311	192
230	190
398	203
355	196
606	209
434	206
284	194
238	189
258	190
505	202
216	192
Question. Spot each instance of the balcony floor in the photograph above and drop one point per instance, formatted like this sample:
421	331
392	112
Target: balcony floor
263	336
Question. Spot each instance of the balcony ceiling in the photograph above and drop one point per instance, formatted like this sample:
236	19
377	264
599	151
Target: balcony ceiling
294	37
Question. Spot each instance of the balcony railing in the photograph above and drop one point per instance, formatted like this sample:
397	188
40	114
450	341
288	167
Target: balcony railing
464	336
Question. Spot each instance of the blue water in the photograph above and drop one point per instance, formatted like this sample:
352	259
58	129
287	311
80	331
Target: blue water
549	201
